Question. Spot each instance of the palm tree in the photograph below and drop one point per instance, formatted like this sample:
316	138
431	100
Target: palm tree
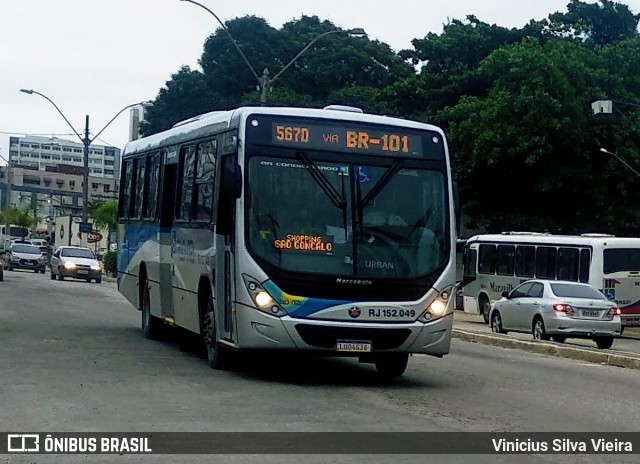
93	205
18	216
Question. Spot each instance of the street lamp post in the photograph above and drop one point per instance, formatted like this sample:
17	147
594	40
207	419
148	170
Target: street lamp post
264	81
620	159
86	141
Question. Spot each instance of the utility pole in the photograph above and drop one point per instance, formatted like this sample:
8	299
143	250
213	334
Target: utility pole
7	221
85	174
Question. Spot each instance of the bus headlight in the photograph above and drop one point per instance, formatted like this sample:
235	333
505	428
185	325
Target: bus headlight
261	298
438	307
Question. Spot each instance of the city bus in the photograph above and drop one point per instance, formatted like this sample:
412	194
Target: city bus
318	230
497	263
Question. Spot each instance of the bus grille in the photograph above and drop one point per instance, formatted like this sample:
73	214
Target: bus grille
326	337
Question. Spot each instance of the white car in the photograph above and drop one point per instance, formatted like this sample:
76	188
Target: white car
553	309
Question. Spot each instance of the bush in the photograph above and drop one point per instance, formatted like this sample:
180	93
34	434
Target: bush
110	262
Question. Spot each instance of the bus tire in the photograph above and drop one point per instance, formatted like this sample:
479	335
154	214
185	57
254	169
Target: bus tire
151	326
218	356
485	308
392	364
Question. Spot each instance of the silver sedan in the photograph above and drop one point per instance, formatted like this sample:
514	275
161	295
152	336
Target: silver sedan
557	310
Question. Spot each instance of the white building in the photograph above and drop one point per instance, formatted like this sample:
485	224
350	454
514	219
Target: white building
40	152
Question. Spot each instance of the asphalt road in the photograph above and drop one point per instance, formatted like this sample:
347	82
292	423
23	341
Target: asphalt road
72	358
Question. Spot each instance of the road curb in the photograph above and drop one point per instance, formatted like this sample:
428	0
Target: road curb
109	279
609	359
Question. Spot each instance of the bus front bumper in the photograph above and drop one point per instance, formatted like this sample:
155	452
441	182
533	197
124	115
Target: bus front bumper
261	331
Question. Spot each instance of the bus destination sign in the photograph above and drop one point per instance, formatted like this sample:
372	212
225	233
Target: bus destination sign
345	139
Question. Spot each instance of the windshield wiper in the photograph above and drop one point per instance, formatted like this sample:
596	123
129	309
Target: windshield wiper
329	190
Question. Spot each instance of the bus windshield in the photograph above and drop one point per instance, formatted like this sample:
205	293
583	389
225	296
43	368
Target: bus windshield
346	219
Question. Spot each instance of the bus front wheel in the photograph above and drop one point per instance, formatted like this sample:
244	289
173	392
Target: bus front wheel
151	326
217	355
485	308
392	365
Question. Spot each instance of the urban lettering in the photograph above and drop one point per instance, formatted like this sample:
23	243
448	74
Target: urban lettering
379	265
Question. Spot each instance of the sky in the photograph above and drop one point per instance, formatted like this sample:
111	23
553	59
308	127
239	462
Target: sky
95	57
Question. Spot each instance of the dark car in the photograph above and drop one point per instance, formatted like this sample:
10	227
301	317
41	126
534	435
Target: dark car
26	256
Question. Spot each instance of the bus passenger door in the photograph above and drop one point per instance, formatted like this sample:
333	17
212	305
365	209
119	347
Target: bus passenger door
470	288
169	174
227	194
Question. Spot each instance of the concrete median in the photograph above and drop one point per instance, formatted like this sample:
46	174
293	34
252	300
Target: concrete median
605	357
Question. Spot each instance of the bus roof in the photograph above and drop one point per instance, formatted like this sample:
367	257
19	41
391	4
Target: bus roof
217	121
546	238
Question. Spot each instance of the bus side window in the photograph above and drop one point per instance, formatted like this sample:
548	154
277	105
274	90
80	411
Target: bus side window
585	262
546	262
505	258
184	187
151	189
205	180
568	260
525	261
125	191
470	259
487	261
138	189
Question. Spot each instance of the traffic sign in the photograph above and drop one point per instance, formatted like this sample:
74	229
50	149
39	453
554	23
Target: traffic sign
86	227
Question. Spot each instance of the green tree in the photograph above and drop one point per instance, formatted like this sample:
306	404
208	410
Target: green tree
596	24
527	152
18	216
334	62
106	217
185	95
448	63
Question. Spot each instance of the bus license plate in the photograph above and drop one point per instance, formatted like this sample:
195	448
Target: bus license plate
353	346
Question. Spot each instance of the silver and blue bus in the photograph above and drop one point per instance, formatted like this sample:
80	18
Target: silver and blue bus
319	230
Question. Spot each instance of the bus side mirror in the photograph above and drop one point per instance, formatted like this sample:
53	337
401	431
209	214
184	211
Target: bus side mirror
456	200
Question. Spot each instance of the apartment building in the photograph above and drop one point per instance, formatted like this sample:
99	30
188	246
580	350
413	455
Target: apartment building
40	152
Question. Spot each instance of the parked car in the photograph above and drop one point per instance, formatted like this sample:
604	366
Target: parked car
75	262
557	310
26	256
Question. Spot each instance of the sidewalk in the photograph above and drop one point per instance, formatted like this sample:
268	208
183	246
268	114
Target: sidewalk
624	353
